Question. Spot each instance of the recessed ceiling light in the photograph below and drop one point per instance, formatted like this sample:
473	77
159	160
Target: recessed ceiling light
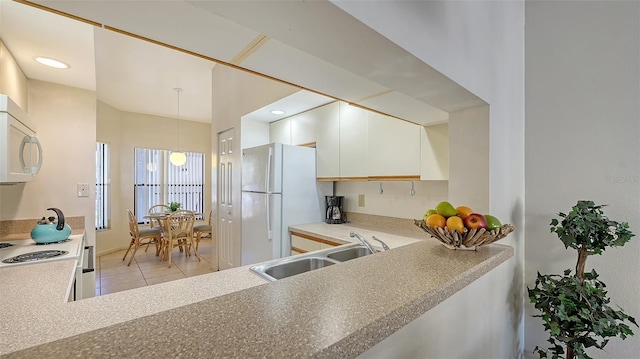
47	61
278	112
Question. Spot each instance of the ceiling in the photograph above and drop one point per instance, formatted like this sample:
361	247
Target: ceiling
340	58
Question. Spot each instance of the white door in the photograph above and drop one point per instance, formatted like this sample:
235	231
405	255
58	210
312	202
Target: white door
228	219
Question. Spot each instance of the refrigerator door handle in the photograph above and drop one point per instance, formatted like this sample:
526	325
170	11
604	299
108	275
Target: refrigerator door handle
268	172
269	231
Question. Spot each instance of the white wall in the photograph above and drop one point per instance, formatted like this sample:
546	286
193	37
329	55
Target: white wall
395	200
583	142
66	120
479	45
254	133
125	131
469	158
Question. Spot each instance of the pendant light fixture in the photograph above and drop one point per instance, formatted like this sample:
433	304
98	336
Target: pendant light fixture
178	158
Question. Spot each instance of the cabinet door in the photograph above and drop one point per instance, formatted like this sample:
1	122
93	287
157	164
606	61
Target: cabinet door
434	146
303	129
353	142
303	245
325	245
280	131
394	147
327	119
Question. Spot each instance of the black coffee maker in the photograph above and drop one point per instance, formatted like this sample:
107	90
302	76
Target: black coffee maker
334	212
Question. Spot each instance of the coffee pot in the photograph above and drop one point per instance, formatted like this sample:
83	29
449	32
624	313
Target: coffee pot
334	211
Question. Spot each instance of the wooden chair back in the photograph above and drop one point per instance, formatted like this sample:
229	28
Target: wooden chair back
158	208
180	224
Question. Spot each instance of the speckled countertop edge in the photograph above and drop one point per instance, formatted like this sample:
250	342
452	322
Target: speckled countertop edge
279	320
358	335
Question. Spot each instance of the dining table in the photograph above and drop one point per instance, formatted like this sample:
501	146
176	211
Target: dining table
161	218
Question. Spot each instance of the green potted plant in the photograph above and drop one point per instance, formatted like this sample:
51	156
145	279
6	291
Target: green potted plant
174	206
575	308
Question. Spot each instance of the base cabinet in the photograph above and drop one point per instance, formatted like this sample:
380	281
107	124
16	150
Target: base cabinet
303	243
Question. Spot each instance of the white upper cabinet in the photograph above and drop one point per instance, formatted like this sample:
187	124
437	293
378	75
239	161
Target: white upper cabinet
327	119
280	131
434	158
394	148
353	142
303	129
357	144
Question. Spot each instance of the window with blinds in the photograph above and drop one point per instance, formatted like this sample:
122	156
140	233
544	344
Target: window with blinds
103	216
157	181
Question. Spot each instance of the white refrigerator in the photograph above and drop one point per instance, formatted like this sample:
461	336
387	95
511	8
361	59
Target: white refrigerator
279	189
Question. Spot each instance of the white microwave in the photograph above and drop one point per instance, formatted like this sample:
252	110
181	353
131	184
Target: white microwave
20	150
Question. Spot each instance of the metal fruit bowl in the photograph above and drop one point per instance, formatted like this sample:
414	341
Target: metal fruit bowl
469	240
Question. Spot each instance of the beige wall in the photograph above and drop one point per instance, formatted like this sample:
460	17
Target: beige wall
125	131
66	120
469	158
582	143
13	82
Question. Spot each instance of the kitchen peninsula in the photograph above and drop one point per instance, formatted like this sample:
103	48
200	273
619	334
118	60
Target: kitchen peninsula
339	311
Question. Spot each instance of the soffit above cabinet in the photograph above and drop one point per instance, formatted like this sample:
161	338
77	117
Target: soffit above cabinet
312	44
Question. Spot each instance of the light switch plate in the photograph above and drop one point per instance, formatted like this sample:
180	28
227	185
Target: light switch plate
360	200
83	190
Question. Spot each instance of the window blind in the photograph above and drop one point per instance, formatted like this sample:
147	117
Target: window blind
157	181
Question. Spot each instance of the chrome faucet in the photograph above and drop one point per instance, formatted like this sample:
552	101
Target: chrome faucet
366	243
385	247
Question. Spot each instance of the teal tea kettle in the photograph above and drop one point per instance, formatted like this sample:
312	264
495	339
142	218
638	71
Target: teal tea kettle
48	231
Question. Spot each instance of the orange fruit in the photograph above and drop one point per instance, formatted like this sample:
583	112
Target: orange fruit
455	223
464	211
435	220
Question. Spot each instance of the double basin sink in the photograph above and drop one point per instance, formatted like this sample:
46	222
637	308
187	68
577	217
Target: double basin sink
290	266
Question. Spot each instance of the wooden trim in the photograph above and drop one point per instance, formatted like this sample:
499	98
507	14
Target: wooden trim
370	178
308	144
58	12
395	178
353	179
327	179
250	49
299	250
315	239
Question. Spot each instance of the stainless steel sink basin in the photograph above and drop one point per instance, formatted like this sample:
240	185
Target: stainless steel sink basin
289	267
349	253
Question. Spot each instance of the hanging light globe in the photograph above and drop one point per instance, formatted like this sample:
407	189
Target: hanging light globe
178	158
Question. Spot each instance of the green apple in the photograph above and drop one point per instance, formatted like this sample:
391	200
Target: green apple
430	212
492	222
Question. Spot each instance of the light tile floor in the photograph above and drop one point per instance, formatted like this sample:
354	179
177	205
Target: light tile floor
113	274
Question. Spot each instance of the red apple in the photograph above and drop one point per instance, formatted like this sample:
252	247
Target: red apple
475	220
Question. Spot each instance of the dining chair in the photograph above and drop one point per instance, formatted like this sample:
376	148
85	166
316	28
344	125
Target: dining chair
178	232
140	237
202	230
158	208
